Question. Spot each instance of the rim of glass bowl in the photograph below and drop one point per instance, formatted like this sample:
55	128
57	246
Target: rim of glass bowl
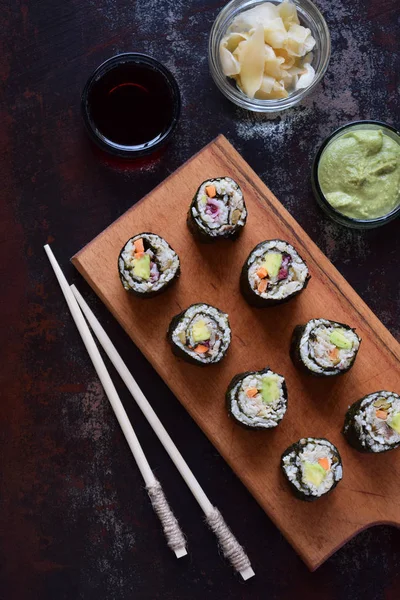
221	23
319	195
104	142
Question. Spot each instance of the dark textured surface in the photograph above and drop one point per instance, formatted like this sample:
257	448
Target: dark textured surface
75	521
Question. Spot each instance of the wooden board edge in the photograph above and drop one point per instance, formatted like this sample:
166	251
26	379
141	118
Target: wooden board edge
313	566
134	206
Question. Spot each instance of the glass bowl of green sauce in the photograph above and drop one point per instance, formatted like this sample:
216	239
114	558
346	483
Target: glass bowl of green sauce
356	174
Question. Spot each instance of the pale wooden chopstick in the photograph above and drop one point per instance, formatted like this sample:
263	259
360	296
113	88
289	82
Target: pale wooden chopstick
229	545
173	533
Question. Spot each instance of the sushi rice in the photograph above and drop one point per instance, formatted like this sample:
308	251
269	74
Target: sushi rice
218	209
162	269
313	467
257	399
325	347
373	423
200	334
273	273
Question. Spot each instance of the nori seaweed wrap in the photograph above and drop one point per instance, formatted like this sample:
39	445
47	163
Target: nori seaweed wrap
313	467
217	210
273	273
324	348
372	424
200	334
257	399
147	265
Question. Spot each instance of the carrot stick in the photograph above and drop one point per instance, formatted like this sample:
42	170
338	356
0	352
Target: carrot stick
381	414
200	349
262	286
138	245
324	462
211	191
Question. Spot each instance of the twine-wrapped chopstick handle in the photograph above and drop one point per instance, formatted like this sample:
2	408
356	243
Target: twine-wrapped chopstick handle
229	545
172	531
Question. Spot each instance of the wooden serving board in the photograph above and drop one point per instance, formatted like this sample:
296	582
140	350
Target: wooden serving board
370	490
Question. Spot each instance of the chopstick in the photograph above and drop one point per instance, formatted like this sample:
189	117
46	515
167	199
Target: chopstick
175	538
229	545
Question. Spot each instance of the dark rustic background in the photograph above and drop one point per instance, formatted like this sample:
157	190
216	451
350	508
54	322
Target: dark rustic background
75	521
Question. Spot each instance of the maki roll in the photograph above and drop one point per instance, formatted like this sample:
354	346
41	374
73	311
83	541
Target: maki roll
147	265
257	399
372	424
324	348
313	467
217	210
273	273
200	334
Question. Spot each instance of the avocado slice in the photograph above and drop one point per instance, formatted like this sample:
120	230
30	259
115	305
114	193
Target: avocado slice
200	331
394	422
314	473
339	340
141	267
272	263
269	389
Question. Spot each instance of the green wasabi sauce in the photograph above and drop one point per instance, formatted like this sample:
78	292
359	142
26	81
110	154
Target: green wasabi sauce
359	174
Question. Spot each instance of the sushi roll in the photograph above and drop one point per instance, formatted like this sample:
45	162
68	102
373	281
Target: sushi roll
313	467
324	348
273	273
257	399
147	265
372	424
200	334
217	210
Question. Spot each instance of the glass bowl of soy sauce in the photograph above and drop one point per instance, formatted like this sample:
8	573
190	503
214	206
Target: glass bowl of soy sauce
131	105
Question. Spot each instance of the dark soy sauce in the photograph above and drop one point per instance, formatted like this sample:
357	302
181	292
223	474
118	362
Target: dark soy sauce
132	105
